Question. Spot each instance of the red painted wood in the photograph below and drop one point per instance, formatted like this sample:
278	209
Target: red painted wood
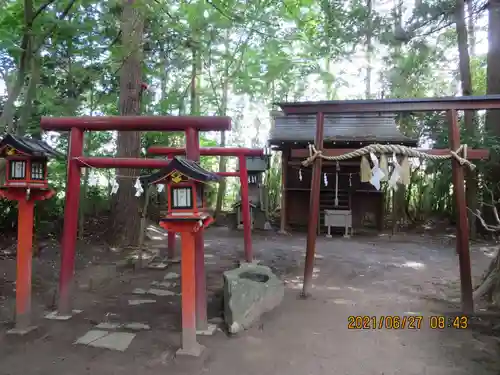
188	289
192	150
211	151
137	123
193	153
170	234
245	209
188	279
314	208
70	221
462	221
24	260
16	194
26	204
103	162
201	284
472	154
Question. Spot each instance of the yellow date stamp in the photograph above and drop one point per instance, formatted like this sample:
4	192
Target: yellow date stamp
411	322
366	322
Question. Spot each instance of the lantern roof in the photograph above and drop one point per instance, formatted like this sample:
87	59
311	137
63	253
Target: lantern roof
26	146
188	168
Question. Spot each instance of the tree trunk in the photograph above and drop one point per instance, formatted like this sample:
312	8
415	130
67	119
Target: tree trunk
195	78
7	115
125	208
221	191
466	82
29	97
369	49
471	28
493	87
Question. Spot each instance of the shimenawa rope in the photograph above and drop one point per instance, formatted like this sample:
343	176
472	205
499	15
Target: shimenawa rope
389	149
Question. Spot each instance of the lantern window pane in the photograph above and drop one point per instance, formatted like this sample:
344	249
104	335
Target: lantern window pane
17	170
199	197
181	197
37	170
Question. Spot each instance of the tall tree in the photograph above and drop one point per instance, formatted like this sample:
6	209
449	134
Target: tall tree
221	191
125	210
369	48
471	27
493	75
32	40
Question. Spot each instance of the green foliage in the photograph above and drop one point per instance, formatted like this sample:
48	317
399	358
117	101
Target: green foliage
261	51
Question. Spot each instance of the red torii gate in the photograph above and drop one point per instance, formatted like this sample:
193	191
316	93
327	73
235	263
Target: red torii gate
449	104
241	154
191	125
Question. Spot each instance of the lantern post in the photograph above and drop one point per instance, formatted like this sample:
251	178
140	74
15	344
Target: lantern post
25	182
187	214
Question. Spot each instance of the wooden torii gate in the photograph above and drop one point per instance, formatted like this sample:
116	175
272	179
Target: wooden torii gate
191	125
450	105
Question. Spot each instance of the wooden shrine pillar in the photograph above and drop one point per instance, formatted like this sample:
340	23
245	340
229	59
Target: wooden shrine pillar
285	156
193	153
170	234
313	208
245	209
24	260
462	238
188	230
25	219
188	290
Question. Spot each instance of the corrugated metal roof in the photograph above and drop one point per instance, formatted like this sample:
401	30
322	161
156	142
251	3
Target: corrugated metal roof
393	105
449	99
356	127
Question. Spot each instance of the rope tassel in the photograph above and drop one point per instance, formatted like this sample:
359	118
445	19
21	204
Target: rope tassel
114	187
396	174
377	173
138	188
384	166
405	171
364	170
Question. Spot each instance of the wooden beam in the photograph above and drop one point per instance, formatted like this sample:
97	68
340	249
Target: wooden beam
462	242
472	154
313	208
137	123
285	154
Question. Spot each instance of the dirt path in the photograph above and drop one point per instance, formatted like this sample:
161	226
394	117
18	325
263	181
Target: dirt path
353	277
